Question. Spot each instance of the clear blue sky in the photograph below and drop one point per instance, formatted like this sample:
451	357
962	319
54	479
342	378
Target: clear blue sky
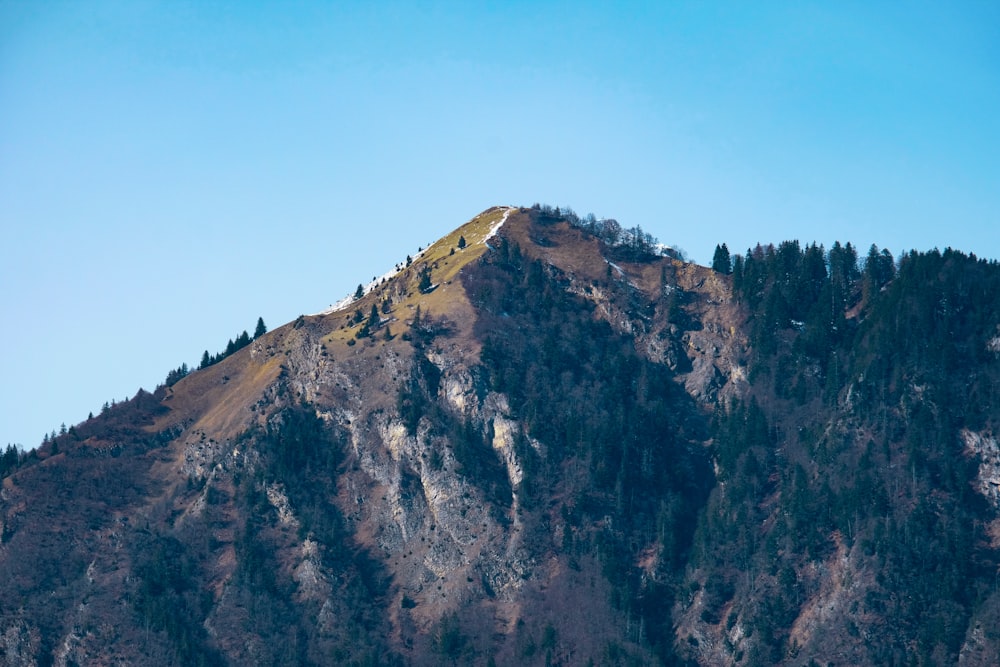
170	171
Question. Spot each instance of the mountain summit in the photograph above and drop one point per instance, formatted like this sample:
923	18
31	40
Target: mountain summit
544	440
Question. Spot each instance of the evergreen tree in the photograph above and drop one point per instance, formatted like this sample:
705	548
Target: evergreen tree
360	292
176	375
461	242
425	279
880	268
813	271
9	460
738	274
206	360
260	330
721	261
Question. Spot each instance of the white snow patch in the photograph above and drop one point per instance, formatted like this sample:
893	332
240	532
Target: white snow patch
621	273
617	268
497	225
349	299
663	249
343	303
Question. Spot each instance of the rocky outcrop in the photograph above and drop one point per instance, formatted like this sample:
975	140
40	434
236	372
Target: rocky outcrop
984	447
19	644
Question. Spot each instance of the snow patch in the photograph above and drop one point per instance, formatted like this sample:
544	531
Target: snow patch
621	273
497	225
396	270
349	299
665	250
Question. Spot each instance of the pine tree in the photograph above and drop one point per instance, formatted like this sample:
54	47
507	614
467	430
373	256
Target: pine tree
425	279
721	260
260	330
461	242
9	459
880	268
176	375
360	292
738	275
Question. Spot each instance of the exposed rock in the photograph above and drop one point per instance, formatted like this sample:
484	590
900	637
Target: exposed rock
276	496
985	448
19	645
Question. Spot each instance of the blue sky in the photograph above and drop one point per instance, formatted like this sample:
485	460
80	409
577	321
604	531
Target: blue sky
170	171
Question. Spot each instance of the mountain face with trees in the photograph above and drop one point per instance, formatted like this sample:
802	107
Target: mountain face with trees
544	441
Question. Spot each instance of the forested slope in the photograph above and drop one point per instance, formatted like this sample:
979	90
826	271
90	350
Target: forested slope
543	440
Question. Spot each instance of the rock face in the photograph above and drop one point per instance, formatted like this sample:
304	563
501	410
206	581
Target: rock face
985	448
511	466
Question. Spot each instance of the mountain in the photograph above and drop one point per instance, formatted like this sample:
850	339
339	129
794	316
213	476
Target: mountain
544	440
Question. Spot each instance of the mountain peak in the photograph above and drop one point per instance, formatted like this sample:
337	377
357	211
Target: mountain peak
542	440
479	229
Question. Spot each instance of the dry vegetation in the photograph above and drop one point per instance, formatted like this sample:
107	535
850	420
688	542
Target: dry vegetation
563	459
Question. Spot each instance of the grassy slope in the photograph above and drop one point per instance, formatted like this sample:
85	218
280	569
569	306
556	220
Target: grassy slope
447	299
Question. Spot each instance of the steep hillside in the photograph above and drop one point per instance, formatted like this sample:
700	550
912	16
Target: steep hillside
541	441
855	515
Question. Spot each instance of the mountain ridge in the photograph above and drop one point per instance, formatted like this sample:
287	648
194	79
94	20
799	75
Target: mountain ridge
544	449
